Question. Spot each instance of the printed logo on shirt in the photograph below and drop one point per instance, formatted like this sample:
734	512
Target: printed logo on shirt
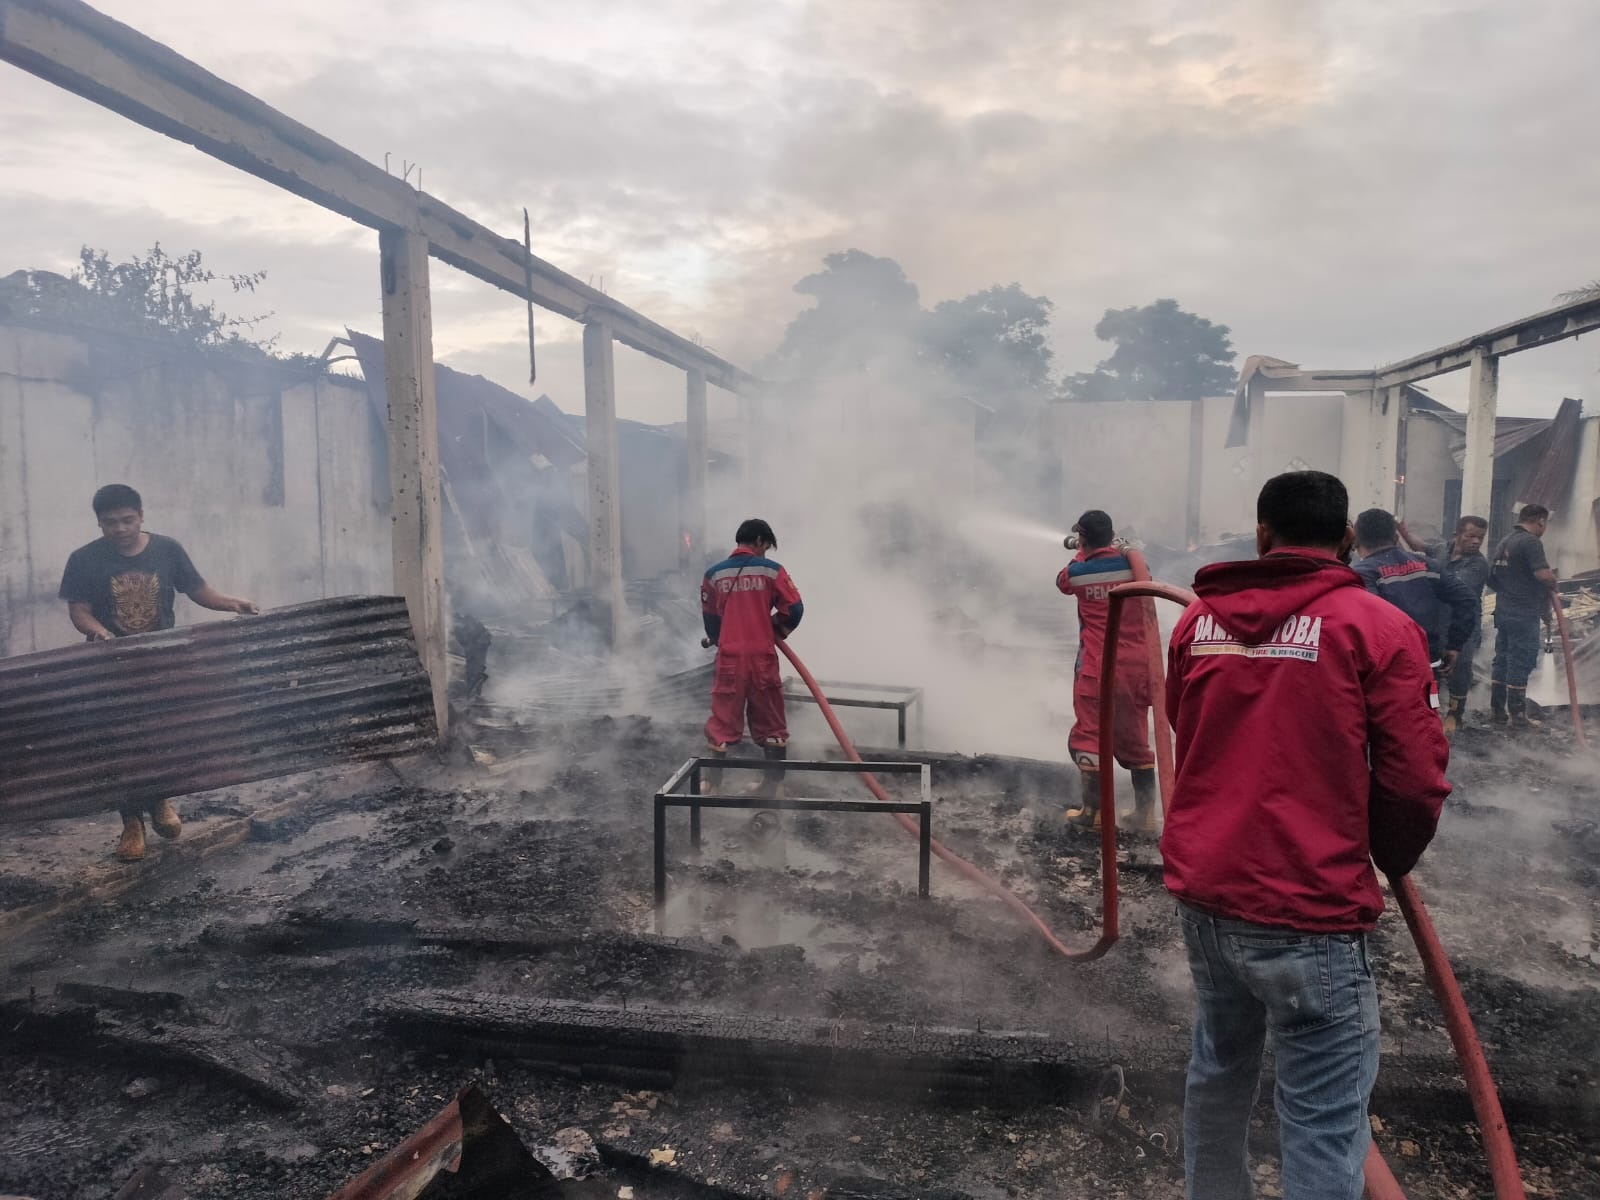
742	583
1397	572
137	597
1298	637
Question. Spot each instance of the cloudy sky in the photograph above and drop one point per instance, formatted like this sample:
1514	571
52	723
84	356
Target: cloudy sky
1341	183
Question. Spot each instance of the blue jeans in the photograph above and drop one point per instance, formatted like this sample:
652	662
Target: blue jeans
1315	994
1516	649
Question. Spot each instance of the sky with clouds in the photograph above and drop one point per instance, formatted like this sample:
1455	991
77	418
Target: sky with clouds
1343	183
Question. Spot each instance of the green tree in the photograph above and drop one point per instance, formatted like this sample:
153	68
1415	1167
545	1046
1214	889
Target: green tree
150	295
865	309
993	342
1162	353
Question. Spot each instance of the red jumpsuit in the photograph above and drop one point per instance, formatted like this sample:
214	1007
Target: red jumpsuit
745	600
1089	578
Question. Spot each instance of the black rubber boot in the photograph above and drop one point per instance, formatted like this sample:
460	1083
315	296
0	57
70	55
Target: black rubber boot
1517	708
711	777
1497	702
1087	814
1454	715
1146	816
772	781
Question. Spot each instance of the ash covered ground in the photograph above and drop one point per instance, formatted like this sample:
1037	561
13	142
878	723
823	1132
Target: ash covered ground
269	1066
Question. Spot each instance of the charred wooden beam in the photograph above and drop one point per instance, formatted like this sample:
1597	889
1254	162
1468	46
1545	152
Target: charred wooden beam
690	1048
89	1034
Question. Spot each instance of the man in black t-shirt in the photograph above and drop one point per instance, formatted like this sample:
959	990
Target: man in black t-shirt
125	583
1524	587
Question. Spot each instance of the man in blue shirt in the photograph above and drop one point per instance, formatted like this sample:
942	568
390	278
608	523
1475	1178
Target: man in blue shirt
1439	602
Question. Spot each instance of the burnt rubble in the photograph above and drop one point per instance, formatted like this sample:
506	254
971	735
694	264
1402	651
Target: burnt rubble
276	1019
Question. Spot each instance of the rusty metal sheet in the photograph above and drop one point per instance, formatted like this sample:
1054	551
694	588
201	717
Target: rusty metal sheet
1552	477
156	715
469	1142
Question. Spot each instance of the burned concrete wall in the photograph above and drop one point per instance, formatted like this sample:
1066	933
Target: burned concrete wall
1575	525
1132	459
265	475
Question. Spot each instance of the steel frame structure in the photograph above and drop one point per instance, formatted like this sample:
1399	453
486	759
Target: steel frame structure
683	791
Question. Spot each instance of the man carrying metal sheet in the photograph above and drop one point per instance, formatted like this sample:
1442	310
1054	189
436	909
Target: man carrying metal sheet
748	603
126	582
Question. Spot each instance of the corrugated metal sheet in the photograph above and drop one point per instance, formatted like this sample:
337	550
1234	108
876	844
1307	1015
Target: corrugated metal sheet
164	714
1510	433
467	1151
1552	477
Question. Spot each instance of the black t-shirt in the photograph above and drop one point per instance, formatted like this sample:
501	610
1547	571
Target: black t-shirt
1519	594
130	593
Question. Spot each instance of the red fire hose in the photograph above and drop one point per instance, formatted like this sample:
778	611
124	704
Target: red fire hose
961	865
1464	1037
1572	676
1158	670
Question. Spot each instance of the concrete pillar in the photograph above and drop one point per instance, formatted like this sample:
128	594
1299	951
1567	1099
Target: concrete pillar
1387	413
1355	448
605	514
1477	470
750	439
1370	446
1197	457
414	451
699	450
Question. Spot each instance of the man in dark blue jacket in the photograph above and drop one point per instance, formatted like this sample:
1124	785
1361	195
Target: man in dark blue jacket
1438	601
1462	557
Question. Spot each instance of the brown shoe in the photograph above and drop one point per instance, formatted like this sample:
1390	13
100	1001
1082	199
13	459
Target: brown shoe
130	847
164	820
1087	814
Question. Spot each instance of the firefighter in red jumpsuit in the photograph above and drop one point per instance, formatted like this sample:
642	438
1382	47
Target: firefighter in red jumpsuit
749	604
1099	566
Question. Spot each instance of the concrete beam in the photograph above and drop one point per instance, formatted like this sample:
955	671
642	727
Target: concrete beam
1527	333
76	47
1477	469
1324	381
605	516
414	452
699	452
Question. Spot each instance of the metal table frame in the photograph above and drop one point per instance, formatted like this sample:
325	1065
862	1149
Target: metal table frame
903	698
683	791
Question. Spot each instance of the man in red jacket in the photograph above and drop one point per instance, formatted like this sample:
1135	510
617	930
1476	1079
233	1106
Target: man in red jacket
1099	566
1308	747
748	603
